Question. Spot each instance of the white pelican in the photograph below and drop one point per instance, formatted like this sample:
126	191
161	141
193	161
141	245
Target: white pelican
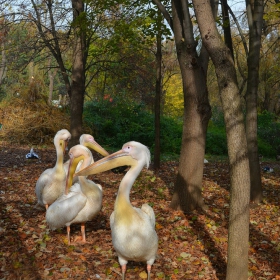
133	229
50	184
79	204
88	141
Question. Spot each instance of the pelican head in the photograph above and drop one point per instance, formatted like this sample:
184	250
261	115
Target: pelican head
62	138
77	153
132	154
88	141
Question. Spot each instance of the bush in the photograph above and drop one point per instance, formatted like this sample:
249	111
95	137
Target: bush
216	142
265	149
269	134
115	123
119	121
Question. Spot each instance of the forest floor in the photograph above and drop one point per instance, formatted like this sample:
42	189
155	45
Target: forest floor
190	246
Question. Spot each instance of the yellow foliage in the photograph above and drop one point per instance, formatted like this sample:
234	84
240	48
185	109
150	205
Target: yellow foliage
174	98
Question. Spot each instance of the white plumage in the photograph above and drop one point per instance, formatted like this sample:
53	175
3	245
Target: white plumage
133	229
50	184
79	204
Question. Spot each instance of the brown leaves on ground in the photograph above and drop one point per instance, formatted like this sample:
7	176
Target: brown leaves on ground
190	246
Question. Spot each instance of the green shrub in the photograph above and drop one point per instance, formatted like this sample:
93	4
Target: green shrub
217	118
268	134
265	149
216	141
115	123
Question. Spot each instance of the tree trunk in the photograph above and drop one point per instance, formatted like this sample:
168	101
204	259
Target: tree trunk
255	19
3	66
51	81
226	26
237	267
78	75
157	100
197	112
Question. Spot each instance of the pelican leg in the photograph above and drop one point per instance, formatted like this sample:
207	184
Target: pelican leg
83	230
123	271
149	267
68	234
47	206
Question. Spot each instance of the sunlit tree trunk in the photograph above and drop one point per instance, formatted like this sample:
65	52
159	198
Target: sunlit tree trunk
238	238
255	20
197	111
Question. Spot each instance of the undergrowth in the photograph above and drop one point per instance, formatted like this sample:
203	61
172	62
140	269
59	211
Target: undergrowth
32	123
23	121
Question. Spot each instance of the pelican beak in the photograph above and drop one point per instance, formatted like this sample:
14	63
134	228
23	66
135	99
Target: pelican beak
93	145
114	160
71	170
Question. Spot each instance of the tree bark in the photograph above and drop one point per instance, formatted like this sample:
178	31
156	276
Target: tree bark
237	267
78	74
197	111
3	66
255	20
157	99
226	26
51	81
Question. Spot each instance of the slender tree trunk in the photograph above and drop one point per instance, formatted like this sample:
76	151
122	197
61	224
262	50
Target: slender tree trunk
157	100
3	66
226	26
31	71
52	45
255	20
51	81
237	267
78	75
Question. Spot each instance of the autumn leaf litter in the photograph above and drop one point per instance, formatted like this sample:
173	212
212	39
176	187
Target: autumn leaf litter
192	246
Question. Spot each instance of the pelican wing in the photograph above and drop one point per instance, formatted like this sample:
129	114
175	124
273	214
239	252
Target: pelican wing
43	180
65	209
150	212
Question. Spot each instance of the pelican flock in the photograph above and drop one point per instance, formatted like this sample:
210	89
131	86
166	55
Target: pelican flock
69	197
82	201
133	230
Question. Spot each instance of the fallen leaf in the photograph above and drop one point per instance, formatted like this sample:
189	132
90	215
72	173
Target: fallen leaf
143	275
